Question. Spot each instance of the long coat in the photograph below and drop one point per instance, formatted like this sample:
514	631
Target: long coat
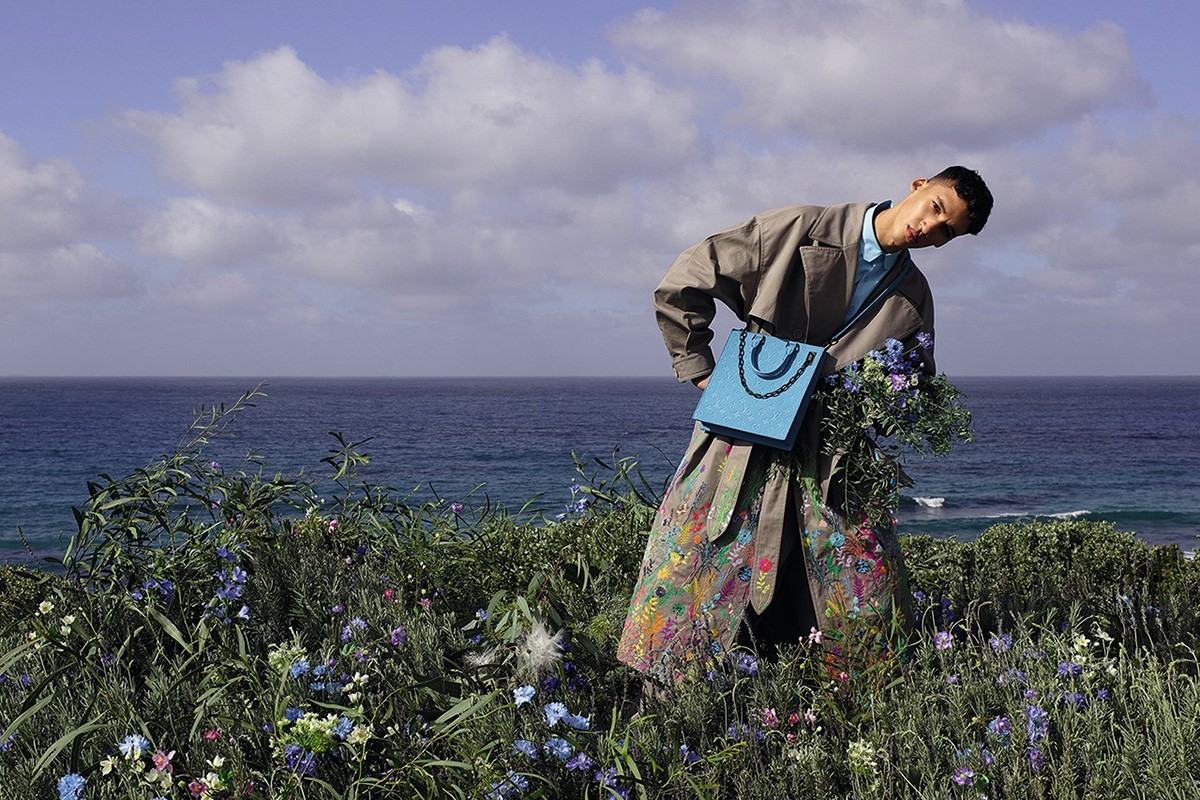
716	542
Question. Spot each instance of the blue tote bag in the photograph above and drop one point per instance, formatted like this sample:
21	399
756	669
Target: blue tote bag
761	386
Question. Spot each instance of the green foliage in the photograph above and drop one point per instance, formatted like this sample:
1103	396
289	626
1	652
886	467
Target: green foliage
268	642
877	411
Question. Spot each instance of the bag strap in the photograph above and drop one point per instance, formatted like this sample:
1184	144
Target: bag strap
879	298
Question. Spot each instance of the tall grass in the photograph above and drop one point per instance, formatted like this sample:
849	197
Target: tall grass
219	631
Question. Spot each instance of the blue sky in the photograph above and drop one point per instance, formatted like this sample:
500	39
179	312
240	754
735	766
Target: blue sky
483	188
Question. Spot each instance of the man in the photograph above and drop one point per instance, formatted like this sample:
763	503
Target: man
733	554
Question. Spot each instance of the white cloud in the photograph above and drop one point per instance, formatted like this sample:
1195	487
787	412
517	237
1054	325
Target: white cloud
887	74
270	130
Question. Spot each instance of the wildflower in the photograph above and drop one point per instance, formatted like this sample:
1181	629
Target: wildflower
925	340
554	712
1000	727
688	755
511	785
299	668
770	718
333	525
1001	642
70	786
580	762
952	680
523	694
162	761
747	664
359	735
456	508
577	721
964	776
107	765
862	757
943	640
1102	694
299	760
814	635
1037	723
1036	759
342	728
1013	674
1069	669
212	734
559	748
1073	698
525	748
45	607
550	684
399	636
133	745
539	649
608	779
810	717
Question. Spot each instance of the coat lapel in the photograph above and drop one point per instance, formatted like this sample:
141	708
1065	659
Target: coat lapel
829	264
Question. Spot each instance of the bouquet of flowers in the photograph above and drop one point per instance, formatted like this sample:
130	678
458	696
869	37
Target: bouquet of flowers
875	413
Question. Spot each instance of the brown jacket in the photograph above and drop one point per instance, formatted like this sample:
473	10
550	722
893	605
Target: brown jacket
788	272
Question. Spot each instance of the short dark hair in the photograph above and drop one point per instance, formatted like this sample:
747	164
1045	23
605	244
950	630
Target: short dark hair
974	192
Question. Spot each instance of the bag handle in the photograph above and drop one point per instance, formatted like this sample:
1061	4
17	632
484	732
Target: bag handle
782	368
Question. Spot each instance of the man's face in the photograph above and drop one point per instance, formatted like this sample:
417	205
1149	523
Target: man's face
931	215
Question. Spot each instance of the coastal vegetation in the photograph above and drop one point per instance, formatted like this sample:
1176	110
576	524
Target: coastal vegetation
217	630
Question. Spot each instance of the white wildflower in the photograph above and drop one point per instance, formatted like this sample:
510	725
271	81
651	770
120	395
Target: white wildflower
539	649
45	607
359	735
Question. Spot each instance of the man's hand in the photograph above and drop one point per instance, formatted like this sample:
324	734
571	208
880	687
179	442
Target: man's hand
701	383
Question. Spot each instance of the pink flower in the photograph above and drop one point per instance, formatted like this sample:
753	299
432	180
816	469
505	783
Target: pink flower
793	719
765	565
810	717
425	603
333	525
162	761
770	718
212	735
197	788
815	636
388	594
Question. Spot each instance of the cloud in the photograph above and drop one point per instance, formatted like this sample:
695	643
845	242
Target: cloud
47	214
887	74
270	130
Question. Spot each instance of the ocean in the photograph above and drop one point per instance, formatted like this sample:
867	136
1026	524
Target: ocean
1119	449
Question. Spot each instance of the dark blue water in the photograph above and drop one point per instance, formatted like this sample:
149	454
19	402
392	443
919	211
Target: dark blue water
1127	450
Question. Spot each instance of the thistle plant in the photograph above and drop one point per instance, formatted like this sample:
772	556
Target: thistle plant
879	410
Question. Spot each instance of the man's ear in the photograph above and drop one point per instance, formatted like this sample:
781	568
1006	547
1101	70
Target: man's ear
918	183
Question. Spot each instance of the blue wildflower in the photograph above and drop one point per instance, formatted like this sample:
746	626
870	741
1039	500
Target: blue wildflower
299	668
342	728
70	786
1001	728
577	721
525	748
554	712
1037	723
511	785
291	713
688	755
1073	698
1069	669
1102	694
579	762
559	748
299	760
1001	642
523	694
134	745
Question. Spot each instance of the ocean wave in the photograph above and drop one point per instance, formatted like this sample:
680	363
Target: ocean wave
1059	515
930	502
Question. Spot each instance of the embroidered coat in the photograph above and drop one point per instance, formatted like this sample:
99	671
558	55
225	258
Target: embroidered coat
715	545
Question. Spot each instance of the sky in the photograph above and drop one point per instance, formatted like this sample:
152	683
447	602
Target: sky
486	188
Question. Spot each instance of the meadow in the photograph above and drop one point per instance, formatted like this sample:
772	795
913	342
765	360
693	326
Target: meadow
224	631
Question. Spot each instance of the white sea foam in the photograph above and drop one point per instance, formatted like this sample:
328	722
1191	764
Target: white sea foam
1060	515
1070	514
930	502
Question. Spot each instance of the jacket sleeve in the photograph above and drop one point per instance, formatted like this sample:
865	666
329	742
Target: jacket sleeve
723	267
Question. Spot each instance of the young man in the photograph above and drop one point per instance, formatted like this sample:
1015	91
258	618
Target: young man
742	546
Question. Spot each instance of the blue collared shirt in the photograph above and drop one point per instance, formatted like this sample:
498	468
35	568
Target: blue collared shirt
873	264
